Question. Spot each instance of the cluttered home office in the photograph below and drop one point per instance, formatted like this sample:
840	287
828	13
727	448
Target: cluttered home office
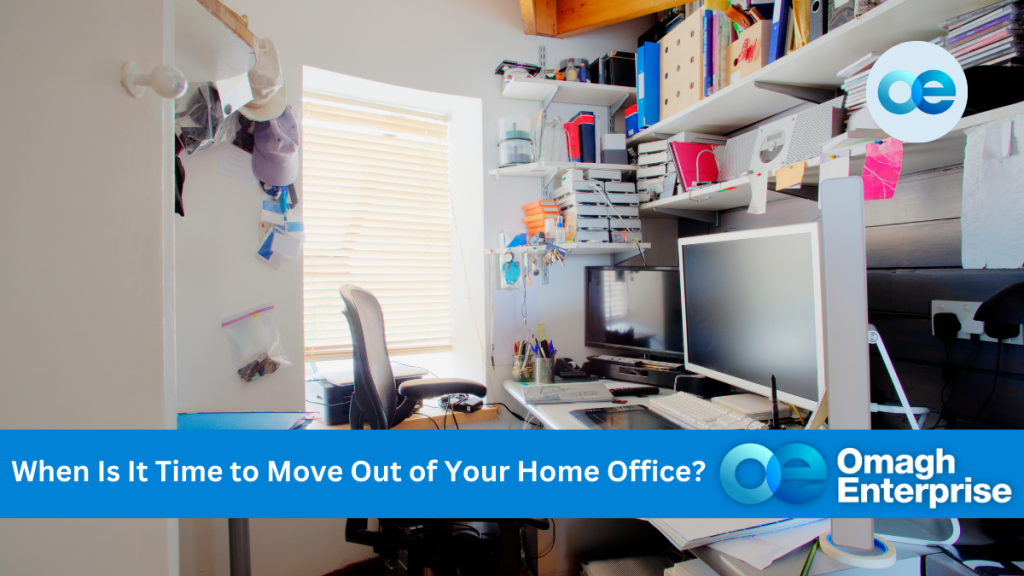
563	215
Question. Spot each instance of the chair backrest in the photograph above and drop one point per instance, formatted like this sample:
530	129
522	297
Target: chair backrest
375	392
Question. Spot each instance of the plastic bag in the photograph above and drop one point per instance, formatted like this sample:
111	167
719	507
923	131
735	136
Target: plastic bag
256	347
199	119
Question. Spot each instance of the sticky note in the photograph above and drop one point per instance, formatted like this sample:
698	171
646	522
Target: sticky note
882	169
833	165
287	246
790	176
758	193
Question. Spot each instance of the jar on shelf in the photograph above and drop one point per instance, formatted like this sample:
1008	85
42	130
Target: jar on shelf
514	128
513	152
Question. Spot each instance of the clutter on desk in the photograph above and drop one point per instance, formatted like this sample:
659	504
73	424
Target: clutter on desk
256	347
568	393
760	550
686	533
695	567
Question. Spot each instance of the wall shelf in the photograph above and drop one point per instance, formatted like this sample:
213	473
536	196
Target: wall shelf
548	91
547	169
211	41
816	65
946	151
584	249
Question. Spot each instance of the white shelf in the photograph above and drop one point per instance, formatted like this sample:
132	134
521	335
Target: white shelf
816	64
546	169
585	249
946	151
211	42
540	89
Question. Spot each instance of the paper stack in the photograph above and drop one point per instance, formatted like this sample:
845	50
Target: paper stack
686	533
989	36
856	82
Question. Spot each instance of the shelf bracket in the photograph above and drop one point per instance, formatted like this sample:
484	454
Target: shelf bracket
706	216
547	101
806	192
613	109
806	93
549	181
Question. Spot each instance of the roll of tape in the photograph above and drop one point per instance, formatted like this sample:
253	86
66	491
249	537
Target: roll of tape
883	556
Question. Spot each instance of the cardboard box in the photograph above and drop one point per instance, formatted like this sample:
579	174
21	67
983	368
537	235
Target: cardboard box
682	76
748	54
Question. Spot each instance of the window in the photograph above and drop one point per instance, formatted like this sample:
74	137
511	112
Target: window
376	207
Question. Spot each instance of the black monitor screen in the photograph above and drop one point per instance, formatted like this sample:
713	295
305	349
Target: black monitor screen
636	309
750	310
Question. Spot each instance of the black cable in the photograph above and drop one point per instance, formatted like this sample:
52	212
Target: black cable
991	392
554	534
509	410
453	417
956	384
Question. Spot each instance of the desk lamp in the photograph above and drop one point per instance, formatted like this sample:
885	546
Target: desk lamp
1003	312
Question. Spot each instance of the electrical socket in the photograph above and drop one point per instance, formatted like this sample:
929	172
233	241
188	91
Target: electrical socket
968	325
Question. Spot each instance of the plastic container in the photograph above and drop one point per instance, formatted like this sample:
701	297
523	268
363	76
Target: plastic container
514	128
512	152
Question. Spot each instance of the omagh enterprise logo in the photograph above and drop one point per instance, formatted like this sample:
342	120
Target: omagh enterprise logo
751	473
917	92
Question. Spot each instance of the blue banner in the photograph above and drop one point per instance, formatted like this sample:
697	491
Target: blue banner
492	474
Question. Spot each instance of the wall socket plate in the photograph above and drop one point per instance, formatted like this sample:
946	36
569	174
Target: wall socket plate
968	325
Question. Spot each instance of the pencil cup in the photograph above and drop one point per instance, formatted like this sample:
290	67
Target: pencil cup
522	370
544	370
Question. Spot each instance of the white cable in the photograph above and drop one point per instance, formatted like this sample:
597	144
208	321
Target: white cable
875	338
920	411
612	206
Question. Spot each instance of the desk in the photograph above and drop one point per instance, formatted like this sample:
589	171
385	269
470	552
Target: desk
425	419
557	417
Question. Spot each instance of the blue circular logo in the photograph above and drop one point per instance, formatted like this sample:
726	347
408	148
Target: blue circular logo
795	473
917	92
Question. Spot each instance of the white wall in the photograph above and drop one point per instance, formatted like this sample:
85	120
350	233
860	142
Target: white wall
83	253
444	46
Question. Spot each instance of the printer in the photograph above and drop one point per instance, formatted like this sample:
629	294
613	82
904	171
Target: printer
329	395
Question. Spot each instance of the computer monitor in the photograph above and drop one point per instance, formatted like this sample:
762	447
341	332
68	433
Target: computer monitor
635	309
752	308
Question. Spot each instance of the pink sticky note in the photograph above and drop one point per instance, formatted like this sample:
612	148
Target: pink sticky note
882	169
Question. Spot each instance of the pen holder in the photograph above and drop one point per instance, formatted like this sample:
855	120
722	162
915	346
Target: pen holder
522	370
544	370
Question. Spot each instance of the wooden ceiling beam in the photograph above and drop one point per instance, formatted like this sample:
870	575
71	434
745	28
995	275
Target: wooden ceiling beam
579	16
539	17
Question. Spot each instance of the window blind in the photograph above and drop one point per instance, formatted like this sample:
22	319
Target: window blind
375	194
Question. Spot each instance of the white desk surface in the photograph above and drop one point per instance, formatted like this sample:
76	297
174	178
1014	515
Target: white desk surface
557	417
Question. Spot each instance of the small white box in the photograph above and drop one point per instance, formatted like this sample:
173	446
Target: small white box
655	146
572	175
578	183
654	158
613	142
591	236
650	184
651	171
615	187
595	174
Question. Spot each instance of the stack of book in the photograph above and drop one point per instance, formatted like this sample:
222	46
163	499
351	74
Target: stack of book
856	82
990	36
655	170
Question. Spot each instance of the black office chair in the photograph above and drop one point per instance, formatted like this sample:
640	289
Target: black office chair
376	399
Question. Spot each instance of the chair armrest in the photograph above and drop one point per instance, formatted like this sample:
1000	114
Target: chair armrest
434	387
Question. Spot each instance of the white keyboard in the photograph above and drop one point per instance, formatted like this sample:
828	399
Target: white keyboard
695	412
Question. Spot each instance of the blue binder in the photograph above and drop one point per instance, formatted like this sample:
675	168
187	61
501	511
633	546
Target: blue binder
648	85
780	27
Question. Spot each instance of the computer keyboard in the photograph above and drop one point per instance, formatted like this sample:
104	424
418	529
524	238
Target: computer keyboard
695	412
